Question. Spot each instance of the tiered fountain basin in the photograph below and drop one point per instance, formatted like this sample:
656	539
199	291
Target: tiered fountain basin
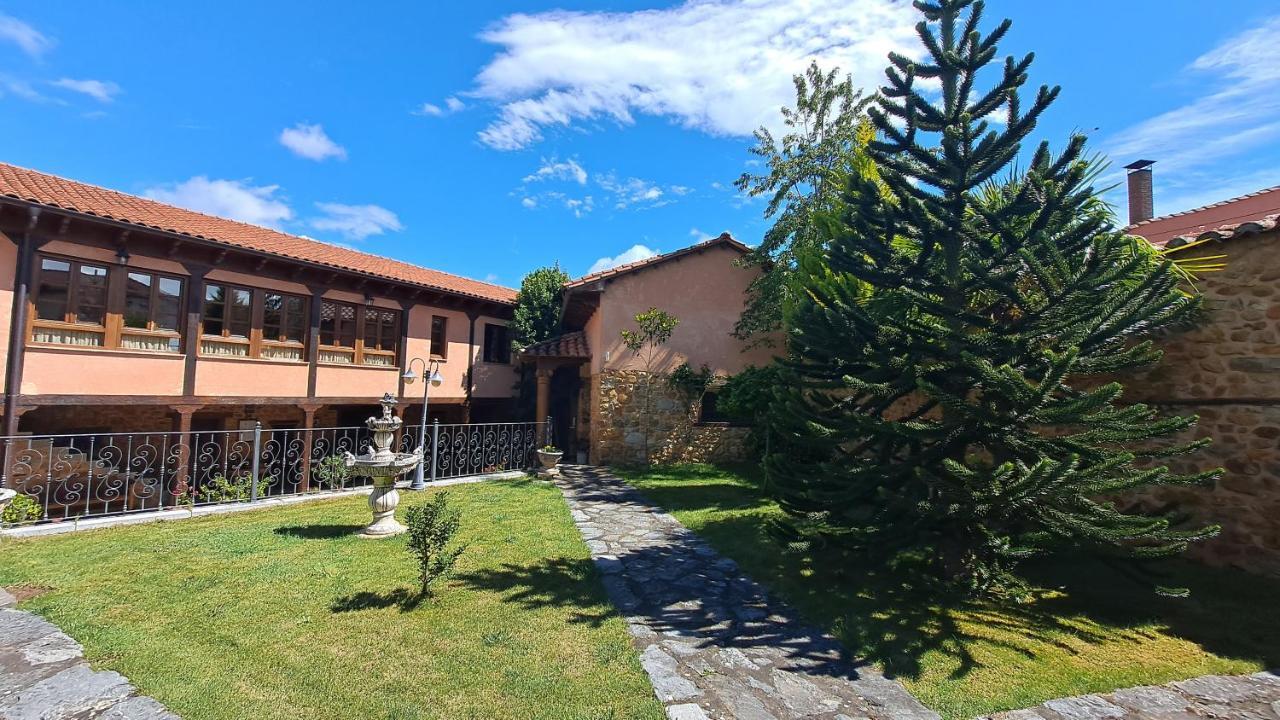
384	468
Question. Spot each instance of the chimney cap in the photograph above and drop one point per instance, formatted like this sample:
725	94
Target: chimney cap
1140	165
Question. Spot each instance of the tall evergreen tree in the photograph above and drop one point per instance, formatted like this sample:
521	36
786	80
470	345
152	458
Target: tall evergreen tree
951	393
536	318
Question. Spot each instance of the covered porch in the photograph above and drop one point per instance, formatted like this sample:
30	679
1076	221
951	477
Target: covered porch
562	371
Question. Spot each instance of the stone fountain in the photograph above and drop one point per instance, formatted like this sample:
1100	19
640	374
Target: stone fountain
384	467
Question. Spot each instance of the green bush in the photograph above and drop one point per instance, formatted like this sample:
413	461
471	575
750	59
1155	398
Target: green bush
331	472
431	529
237	488
22	509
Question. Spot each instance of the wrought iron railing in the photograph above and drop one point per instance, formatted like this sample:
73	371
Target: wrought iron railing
75	476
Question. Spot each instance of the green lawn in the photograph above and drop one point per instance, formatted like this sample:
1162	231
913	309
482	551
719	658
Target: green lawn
1094	631
282	613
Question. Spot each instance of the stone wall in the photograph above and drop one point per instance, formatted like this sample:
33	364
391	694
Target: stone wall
1227	371
619	423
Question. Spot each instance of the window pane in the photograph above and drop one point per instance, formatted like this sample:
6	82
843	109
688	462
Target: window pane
439	345
272	315
168	313
91	295
371	327
51	295
496	347
214	308
390	331
239	312
346	331
137	300
328	322
295	318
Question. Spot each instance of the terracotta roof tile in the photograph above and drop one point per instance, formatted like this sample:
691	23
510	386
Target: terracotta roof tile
52	191
724	239
569	345
1230	231
1237	211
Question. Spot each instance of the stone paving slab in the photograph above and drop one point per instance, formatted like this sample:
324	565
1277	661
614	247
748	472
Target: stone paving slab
1211	697
43	676
713	642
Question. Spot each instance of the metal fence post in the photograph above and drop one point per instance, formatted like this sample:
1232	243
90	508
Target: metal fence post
257	457
435	446
551	439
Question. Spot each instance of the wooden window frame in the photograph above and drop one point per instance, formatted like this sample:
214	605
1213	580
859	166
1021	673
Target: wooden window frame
441	353
256	341
112	328
281	341
360	354
503	355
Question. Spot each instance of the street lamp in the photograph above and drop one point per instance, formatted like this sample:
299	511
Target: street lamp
431	374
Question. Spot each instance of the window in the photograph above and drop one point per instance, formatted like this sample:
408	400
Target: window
381	329
80	303
439	341
228	311
497	348
152	302
284	317
71	292
337	324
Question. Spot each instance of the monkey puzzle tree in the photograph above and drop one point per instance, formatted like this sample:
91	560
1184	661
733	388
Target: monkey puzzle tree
951	391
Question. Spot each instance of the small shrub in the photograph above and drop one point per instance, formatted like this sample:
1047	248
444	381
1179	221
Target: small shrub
22	509
237	488
431	529
331	472
692	383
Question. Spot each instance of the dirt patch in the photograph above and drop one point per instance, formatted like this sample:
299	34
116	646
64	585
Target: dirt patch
26	592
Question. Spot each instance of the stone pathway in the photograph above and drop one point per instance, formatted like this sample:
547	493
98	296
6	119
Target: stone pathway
1217	697
43	676
713	642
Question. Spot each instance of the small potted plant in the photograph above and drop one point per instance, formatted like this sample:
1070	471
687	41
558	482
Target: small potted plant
549	456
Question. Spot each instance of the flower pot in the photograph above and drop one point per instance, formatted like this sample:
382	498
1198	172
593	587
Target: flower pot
548	460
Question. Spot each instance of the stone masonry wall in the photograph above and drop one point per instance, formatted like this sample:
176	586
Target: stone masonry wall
618	424
1227	371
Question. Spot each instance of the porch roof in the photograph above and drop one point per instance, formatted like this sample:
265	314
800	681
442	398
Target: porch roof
572	345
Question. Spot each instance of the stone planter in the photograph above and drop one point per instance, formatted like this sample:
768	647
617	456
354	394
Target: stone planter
549	460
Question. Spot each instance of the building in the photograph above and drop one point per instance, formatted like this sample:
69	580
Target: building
589	382
128	315
1226	371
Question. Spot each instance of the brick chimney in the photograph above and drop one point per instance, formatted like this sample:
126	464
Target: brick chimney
1141	199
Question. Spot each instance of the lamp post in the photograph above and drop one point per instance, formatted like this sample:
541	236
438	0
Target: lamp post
430	376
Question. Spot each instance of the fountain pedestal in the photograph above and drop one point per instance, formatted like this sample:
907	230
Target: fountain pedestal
385	467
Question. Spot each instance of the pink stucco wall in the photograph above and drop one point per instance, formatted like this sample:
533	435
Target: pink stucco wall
8	266
704	290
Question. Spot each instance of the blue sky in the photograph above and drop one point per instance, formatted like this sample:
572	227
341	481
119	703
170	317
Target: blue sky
488	139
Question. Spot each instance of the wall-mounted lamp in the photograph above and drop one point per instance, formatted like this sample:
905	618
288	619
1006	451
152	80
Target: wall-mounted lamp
368	299
122	256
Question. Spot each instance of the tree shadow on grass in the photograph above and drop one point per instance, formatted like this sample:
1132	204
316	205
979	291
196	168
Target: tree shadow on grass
556	582
897	620
318	532
402	598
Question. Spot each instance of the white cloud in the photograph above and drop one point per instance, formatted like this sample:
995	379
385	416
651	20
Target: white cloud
1237	112
101	90
529	202
311	142
23	89
630	255
355	222
555	170
235	199
700	236
451	105
30	40
558	68
631	191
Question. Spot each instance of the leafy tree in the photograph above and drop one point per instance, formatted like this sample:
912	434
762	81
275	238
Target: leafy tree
951	395
537	314
431	530
826	138
653	329
536	318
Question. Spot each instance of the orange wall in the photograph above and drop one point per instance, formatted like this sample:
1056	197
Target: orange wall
59	371
8	268
705	291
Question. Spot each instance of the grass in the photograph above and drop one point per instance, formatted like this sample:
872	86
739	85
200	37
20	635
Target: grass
284	614
1095	630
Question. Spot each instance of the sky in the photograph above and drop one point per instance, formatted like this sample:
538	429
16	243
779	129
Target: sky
488	139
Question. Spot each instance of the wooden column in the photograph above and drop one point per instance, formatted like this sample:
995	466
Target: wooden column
402	359
18	324
472	316
191	332
182	473
313	338
308	422
543	404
